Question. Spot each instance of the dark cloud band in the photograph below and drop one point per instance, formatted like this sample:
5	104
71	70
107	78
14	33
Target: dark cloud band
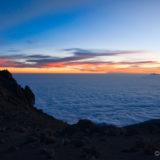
79	56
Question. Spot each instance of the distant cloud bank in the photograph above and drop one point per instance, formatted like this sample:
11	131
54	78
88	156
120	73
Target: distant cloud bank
79	59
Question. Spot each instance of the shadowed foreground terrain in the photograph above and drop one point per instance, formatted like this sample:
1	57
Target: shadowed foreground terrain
27	133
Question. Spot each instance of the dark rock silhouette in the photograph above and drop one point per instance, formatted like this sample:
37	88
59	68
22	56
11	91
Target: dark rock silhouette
9	89
29	95
27	133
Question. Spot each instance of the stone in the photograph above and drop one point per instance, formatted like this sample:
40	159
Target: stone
13	148
48	152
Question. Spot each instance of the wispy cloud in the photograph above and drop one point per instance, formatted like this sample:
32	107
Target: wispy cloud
13	50
79	57
84	52
116	63
33	8
29	42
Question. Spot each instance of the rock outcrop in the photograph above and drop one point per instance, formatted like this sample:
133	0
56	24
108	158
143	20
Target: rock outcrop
29	95
11	92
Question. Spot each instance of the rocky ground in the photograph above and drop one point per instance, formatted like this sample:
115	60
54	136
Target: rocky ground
26	133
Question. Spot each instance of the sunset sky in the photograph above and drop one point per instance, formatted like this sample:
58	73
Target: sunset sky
80	36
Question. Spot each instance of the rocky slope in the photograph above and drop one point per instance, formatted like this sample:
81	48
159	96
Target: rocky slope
26	133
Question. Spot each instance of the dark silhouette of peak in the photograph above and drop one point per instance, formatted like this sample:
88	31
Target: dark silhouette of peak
9	89
5	74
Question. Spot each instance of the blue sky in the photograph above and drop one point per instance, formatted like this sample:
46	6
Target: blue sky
49	27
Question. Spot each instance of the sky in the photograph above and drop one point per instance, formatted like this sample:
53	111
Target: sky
73	36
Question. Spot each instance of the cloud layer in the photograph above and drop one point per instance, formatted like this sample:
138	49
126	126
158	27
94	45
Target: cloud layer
80	56
80	60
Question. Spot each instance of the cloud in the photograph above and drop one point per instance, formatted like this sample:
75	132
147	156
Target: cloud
8	63
26	10
29	42
13	50
116	63
79	57
96	53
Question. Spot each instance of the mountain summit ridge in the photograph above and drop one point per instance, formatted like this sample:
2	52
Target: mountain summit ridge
28	133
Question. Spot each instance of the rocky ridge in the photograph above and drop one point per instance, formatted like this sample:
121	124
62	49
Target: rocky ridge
28	133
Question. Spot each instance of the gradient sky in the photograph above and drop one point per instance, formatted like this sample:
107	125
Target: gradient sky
80	36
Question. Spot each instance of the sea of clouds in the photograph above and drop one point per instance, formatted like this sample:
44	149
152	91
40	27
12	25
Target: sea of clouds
119	99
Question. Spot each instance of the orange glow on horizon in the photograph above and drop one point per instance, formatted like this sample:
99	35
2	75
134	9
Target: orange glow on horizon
84	69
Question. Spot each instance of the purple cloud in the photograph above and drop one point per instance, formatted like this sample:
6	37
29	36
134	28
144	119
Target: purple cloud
80	56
